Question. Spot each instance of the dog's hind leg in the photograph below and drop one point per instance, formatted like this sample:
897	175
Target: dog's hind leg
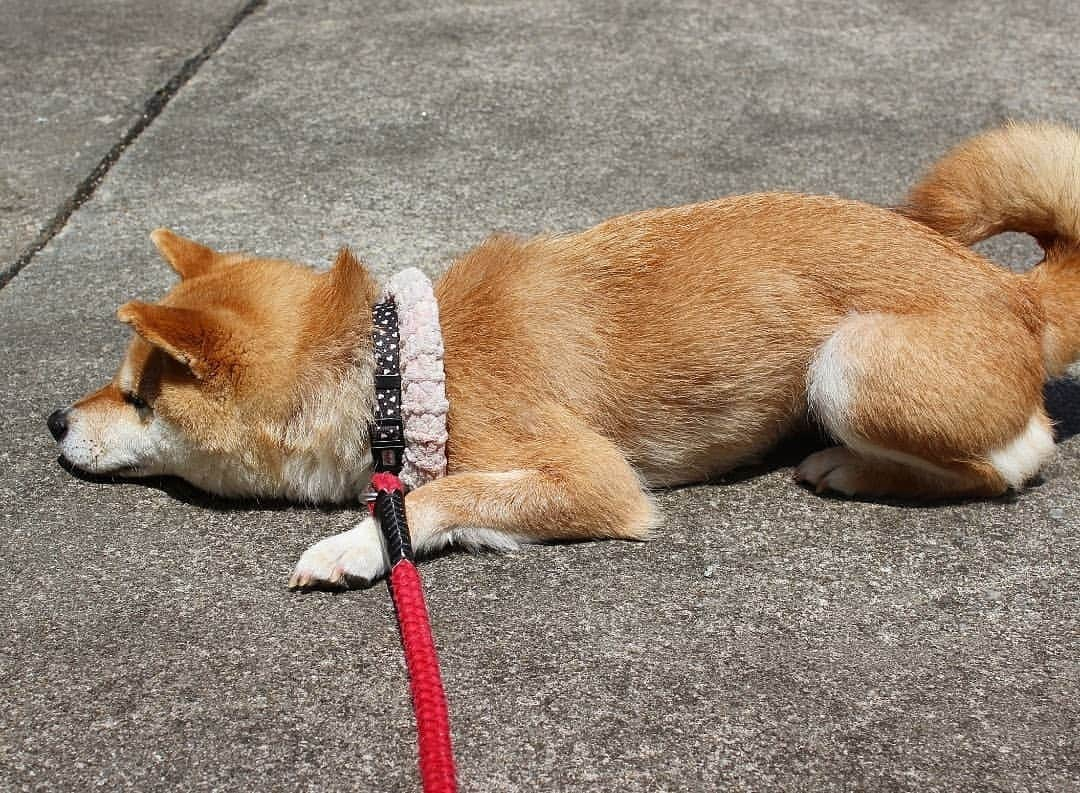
928	406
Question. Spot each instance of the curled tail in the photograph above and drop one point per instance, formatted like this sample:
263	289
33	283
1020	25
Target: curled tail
1019	177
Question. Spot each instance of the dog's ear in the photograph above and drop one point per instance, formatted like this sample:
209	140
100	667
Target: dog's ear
191	337
189	258
350	282
340	306
345	292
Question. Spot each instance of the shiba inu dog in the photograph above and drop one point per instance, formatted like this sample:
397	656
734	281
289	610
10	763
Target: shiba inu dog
655	349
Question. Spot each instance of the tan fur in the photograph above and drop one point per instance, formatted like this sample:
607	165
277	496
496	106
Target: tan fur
660	348
1020	177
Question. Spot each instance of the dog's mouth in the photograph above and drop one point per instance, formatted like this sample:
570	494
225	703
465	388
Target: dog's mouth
124	473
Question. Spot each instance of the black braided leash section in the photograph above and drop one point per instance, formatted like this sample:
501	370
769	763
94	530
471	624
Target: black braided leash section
390	510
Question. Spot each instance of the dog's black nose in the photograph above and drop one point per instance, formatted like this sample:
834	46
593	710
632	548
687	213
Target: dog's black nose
58	424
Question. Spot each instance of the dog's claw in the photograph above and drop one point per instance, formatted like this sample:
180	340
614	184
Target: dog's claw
301	579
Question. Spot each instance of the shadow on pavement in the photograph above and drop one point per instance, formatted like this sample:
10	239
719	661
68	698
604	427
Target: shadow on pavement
183	491
1063	405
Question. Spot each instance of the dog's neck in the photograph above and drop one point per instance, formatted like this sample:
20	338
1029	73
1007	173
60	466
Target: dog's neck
328	457
423	404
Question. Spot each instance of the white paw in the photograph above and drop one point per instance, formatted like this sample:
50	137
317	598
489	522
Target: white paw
836	469
353	558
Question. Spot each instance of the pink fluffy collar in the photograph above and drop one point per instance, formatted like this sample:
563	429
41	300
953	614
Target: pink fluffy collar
424	405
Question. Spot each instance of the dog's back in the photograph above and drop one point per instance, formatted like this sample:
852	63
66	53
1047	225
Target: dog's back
687	335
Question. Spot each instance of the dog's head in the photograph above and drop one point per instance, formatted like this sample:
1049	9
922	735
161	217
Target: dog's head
251	377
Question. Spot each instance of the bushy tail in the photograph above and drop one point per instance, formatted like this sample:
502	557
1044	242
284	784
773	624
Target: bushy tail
1019	177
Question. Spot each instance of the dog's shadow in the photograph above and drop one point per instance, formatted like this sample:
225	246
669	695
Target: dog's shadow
175	487
1063	405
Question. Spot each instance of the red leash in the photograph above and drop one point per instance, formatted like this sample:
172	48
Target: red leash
436	756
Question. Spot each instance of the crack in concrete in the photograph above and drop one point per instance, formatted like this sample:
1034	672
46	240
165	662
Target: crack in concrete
151	110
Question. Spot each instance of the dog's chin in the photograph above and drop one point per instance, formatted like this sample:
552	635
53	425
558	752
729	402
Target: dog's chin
120	474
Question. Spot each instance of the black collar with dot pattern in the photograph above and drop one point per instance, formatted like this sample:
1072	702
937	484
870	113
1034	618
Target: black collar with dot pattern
387	428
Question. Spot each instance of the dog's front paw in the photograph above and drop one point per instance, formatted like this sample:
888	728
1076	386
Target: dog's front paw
353	558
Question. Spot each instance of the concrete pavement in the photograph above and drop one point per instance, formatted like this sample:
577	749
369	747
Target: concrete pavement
768	640
79	81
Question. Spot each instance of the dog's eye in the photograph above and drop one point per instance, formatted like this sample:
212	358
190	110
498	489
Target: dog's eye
135	401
